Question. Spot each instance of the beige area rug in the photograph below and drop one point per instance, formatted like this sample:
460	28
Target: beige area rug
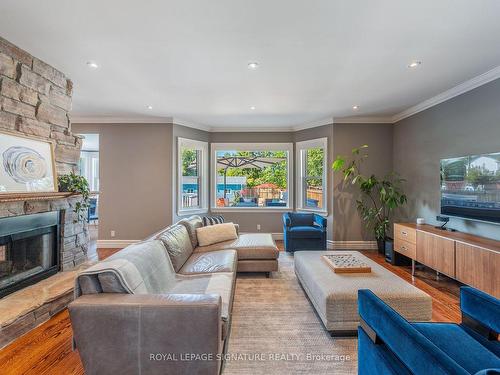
276	331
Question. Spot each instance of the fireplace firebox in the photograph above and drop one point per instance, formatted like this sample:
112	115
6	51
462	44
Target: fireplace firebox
29	250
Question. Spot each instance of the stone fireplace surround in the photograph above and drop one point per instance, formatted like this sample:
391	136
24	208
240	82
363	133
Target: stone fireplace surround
35	101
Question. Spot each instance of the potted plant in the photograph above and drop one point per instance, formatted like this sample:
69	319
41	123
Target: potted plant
379	196
78	185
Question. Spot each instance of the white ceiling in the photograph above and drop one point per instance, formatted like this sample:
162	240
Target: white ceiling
318	58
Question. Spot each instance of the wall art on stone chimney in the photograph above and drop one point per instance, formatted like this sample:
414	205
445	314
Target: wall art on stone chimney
26	165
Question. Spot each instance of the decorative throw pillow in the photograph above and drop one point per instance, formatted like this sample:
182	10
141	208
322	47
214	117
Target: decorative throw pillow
216	233
212	220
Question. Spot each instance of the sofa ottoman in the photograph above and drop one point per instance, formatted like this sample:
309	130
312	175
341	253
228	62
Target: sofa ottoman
257	252
335	295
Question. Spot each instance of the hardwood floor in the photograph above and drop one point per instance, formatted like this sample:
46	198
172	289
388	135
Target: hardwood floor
445	292
47	349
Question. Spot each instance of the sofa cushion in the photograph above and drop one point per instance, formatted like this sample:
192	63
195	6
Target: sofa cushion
178	244
212	234
306	232
138	269
248	246
469	353
213	261
217	283
212	220
191	224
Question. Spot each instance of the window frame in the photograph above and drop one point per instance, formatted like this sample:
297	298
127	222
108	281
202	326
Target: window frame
268	146
300	173
202	147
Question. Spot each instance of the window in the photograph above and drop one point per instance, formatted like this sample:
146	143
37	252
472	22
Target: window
251	177
311	175
192	176
89	160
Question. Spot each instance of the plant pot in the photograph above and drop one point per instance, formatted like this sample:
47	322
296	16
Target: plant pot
381	246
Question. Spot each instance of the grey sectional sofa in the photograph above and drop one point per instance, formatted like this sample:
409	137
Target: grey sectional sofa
162	306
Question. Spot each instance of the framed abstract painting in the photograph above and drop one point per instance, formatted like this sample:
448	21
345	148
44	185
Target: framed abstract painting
26	165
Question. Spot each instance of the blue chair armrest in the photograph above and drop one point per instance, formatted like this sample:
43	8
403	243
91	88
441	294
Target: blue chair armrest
412	348
287	221
481	307
319	220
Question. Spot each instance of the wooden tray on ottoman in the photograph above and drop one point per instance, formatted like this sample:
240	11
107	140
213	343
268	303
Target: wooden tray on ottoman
346	263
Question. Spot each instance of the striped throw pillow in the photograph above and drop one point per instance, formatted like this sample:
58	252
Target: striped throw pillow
212	220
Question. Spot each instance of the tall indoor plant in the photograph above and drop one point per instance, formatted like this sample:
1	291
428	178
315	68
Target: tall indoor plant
379	196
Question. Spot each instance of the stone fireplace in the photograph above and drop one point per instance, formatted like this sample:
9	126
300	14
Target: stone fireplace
29	250
35	101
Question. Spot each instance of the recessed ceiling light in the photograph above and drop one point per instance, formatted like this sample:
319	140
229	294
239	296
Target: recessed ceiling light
150	107
252	108
355	107
253	65
414	64
92	64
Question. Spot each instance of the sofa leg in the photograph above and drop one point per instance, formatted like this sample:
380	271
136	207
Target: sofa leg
268	275
343	333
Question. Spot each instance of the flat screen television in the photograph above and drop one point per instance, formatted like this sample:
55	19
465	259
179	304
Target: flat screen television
470	187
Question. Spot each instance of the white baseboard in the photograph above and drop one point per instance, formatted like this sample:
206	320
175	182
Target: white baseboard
114	244
352	245
277	236
331	245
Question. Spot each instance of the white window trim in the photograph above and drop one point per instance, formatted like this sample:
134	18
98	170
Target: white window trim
203	147
214	147
299	147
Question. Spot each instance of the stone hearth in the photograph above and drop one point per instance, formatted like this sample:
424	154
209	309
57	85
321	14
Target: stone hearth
27	308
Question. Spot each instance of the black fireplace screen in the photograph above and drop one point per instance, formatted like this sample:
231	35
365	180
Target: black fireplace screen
28	250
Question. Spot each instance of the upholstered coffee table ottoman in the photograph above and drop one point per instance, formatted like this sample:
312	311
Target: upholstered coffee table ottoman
335	295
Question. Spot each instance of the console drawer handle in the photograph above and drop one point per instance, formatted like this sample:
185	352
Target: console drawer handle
403	248
404	233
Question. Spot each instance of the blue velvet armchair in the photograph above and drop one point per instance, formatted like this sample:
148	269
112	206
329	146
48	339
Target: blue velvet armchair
389	344
304	231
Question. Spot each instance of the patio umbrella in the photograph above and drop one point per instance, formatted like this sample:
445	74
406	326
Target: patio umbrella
245	162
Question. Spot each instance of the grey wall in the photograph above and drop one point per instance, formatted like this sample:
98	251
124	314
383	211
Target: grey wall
347	223
139	161
467	124
325	131
135	178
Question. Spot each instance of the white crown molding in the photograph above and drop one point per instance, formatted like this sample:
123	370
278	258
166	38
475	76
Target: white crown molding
459	89
182	122
363	120
247	129
313	124
119	120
